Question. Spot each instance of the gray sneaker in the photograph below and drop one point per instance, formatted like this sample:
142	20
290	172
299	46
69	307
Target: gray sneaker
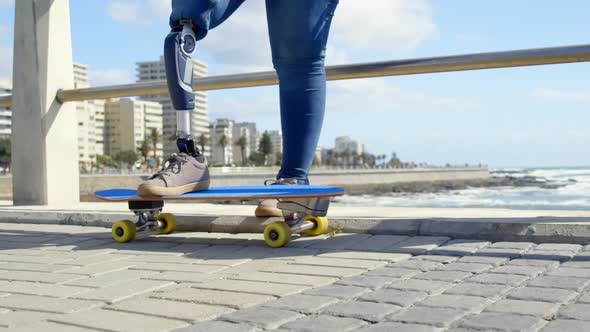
180	174
268	207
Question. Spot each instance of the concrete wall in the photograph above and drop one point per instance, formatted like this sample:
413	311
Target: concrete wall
355	181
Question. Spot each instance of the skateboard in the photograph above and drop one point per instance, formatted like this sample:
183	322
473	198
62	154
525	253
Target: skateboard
304	209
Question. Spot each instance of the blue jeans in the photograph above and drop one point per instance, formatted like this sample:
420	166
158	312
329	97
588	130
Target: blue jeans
298	32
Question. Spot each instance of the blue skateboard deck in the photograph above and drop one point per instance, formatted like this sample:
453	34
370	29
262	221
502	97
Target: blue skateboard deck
228	193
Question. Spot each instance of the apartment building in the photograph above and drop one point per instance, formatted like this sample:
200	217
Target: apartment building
222	154
155	70
129	122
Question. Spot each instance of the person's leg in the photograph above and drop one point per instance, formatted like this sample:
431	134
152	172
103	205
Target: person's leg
204	14
298	32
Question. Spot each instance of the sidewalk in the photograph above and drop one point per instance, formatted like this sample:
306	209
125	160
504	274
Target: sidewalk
73	278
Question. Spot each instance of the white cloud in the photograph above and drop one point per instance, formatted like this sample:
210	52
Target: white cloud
109	77
125	12
382	26
5	65
562	95
6	3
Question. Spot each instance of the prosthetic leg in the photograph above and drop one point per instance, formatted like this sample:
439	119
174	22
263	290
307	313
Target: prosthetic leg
179	46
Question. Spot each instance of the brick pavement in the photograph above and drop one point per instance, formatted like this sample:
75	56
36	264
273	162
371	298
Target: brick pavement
73	278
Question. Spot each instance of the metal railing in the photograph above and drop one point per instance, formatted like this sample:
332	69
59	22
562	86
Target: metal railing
476	61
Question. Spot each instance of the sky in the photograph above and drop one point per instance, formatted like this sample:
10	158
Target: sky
514	117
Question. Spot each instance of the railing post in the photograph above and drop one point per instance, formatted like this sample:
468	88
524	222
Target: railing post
44	132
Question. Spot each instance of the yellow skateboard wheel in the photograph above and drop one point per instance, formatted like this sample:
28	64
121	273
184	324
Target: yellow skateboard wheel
277	234
123	231
321	225
169	221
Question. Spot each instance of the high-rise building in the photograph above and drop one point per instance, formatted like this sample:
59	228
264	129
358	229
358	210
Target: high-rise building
276	137
248	131
129	122
154	71
346	143
5	117
222	141
90	121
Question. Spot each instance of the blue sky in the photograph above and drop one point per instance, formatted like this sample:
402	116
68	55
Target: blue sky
504	117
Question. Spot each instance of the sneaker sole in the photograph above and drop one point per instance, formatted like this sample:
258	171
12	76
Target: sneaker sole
150	191
265	212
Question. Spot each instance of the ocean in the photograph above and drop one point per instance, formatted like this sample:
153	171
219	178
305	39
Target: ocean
567	189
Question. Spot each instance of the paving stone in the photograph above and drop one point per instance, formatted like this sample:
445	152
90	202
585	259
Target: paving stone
465	267
500	252
119	321
367	281
437	258
549	264
325	271
255	287
306	241
398	327
377	242
215	251
569	272
302	303
110	278
338	262
369	311
216	325
402	298
96	259
430	286
532	308
22	318
340	241
324	323
392	272
450	276
585	298
439	317
498	279
513	245
561	325
558	247
44	277
453	250
555	255
577	311
417	245
36	267
474	289
494	261
46	326
552	295
338	291
416	264
225	298
46	304
37	288
170	309
503	322
101	268
574	264
576	284
118	292
263	317
194	268
456	302
468	243
367	255
284	278
530	271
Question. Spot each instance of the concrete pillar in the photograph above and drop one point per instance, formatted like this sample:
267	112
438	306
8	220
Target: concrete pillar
44	132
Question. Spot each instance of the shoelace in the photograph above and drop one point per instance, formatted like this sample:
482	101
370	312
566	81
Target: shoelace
170	166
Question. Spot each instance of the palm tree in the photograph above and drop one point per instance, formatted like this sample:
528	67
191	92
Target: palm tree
144	148
203	141
155	138
223	141
242	142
